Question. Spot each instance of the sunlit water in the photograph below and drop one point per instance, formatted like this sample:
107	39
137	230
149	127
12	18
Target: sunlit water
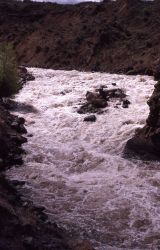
76	169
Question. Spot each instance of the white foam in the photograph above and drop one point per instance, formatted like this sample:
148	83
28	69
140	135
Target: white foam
76	170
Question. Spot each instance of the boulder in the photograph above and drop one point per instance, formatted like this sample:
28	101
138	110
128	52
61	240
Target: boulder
25	75
11	128
116	93
147	140
90	118
87	108
96	100
103	93
111	93
125	103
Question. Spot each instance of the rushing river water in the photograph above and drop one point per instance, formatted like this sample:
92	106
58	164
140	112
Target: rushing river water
76	169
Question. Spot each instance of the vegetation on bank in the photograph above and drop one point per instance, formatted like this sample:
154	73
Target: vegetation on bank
9	83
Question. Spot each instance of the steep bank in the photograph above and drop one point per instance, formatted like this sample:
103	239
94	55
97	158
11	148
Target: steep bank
121	36
147	139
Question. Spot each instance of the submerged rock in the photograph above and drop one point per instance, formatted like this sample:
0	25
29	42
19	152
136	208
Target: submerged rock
18	106
87	108
90	118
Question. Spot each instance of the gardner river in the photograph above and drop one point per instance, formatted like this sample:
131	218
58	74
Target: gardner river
76	170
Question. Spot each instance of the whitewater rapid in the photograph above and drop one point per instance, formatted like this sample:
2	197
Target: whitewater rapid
76	169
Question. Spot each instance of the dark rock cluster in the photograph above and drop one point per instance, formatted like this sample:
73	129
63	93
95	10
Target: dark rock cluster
98	100
24	75
12	105
11	128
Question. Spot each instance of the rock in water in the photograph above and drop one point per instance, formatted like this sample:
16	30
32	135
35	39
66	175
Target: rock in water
147	139
95	100
25	75
103	93
125	103
90	118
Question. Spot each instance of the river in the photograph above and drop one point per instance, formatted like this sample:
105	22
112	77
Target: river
76	169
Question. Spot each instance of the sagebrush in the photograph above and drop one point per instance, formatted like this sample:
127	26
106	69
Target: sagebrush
9	83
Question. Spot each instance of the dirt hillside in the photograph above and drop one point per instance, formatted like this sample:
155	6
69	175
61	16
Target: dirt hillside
121	36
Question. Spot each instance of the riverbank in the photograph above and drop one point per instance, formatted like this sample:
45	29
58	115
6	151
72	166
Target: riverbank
23	226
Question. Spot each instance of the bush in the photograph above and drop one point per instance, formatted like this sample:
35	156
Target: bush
9	83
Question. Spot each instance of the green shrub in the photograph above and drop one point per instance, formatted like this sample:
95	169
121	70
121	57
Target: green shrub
9	83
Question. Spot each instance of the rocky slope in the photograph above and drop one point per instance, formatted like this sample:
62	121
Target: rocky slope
23	226
147	139
121	36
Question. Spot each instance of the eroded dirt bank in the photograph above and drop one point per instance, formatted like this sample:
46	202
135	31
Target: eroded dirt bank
121	36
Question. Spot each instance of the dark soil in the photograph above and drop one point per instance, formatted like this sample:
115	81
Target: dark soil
121	36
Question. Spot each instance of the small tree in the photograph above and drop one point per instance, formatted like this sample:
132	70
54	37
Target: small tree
9	83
